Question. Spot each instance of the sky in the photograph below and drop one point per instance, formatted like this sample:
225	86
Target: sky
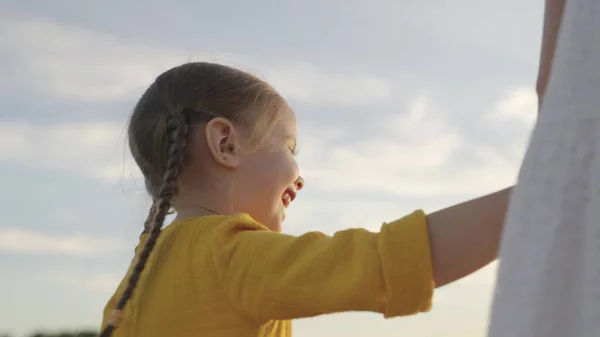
401	105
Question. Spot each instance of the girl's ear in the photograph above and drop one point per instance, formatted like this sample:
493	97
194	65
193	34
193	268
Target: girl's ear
223	142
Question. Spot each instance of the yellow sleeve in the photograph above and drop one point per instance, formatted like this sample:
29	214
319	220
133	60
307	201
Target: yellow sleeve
273	276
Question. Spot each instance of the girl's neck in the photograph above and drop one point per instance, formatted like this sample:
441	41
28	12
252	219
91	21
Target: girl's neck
196	211
194	199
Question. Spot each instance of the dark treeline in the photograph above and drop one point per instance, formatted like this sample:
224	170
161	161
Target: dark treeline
88	333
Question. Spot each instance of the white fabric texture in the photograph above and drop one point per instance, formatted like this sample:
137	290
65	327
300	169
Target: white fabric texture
549	273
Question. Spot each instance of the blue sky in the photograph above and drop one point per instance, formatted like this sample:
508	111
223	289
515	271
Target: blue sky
401	105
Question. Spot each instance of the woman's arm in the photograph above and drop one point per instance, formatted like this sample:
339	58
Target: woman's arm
552	20
465	237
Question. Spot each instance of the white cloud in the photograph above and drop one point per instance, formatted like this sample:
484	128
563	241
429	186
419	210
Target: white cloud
520	105
481	28
412	154
26	241
306	83
102	282
72	62
92	149
408	154
331	215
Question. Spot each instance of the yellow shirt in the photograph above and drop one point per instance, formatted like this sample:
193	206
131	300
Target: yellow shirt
230	276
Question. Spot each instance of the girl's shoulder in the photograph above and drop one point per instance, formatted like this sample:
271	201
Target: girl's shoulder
213	226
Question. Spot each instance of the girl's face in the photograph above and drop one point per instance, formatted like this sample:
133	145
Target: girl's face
227	179
267	180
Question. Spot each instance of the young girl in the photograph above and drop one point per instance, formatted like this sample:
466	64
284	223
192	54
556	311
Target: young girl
217	145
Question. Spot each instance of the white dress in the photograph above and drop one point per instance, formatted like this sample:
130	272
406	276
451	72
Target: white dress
549	274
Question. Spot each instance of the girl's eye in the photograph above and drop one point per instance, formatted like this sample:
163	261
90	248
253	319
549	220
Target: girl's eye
294	151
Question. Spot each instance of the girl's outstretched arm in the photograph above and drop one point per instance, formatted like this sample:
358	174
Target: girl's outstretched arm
274	276
465	237
552	19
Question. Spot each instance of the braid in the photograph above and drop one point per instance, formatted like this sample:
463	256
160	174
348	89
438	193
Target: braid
148	222
177	131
